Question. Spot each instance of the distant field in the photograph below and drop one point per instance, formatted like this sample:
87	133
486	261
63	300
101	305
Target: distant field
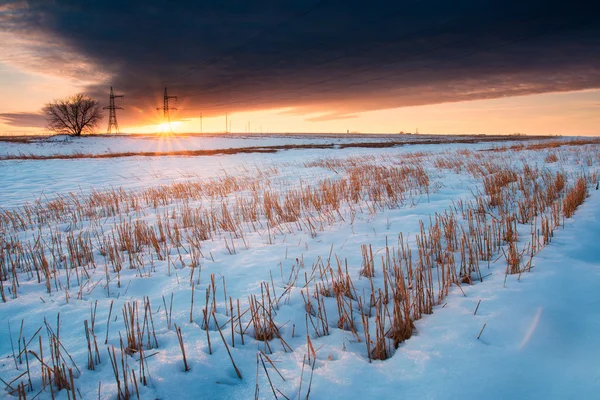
62	146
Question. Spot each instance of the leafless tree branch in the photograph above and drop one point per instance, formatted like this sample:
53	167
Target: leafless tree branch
73	115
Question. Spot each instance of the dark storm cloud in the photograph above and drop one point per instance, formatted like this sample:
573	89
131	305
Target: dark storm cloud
343	57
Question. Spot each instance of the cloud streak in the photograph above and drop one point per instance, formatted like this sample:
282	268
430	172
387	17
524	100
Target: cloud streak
340	59
24	120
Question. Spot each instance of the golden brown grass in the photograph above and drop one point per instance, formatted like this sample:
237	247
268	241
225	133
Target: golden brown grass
574	197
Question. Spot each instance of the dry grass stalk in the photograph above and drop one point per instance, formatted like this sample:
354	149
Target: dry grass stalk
122	377
237	371
261	314
168	311
182	347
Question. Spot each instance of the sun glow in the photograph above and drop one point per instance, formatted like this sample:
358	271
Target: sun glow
167	127
163	128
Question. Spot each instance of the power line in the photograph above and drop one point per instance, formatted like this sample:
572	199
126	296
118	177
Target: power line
112	114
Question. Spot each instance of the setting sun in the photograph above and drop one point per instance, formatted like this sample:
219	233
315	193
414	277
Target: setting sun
167	127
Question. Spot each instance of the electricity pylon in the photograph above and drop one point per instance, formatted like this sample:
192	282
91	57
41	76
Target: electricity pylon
165	108
112	114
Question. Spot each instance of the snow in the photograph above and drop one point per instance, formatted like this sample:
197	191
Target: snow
539	339
105	144
64	144
57	176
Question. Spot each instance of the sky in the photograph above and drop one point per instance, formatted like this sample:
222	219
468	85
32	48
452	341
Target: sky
464	66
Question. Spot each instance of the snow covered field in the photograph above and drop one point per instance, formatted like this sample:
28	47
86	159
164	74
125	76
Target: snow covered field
423	271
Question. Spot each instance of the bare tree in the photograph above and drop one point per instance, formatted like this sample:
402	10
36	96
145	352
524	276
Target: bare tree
73	115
